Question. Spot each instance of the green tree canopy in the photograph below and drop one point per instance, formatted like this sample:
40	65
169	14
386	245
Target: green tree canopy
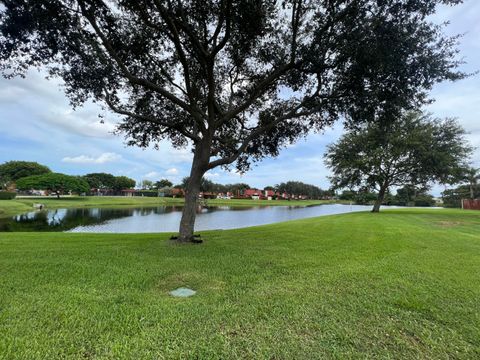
163	183
146	184
424	200
300	188
415	149
54	182
409	194
361	197
100	180
471	176
348	195
236	188
206	185
453	197
123	182
11	171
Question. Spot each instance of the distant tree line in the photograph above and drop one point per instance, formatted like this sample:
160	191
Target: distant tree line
207	185
27	175
408	195
289	187
469	188
300	188
104	181
149	185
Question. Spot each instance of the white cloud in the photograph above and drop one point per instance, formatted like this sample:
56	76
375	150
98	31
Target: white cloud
234	172
180	155
83	121
172	171
151	175
212	175
84	159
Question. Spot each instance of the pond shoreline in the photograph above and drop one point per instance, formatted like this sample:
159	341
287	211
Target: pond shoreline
25	204
165	218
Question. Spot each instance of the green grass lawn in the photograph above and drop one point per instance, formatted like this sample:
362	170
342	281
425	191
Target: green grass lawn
21	205
401	284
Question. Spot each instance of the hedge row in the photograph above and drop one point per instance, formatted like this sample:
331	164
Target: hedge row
148	193
7	195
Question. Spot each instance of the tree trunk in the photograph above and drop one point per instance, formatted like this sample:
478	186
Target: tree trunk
199	167
379	201
472	195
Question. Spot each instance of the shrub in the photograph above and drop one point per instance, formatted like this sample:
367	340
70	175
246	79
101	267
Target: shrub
147	193
7	195
424	200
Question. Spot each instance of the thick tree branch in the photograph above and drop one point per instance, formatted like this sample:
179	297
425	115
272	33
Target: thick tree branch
296	15
218	47
258	90
124	69
145	118
183	26
293	114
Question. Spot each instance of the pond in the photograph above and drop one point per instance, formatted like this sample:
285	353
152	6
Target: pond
164	218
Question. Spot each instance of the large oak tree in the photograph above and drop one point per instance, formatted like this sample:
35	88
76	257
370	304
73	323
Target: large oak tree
234	80
415	150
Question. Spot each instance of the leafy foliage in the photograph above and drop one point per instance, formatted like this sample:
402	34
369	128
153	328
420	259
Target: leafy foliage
424	200
452	198
109	181
410	195
361	197
164	183
414	150
347	195
147	184
11	171
54	182
7	195
471	176
300	188
236	188
206	185
100	180
123	182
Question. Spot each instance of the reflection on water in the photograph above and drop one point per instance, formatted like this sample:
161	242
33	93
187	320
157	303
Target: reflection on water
163	218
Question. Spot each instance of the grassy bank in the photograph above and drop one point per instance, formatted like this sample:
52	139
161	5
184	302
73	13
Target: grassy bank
399	284
24	204
21	205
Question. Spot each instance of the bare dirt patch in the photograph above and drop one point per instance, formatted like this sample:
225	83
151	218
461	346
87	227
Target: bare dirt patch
449	224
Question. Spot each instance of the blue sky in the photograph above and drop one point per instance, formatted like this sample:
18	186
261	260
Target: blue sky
37	124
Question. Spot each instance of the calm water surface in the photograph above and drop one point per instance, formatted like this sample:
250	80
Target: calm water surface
164	218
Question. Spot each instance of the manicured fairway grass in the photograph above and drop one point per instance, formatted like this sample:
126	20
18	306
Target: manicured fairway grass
401	284
21	205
